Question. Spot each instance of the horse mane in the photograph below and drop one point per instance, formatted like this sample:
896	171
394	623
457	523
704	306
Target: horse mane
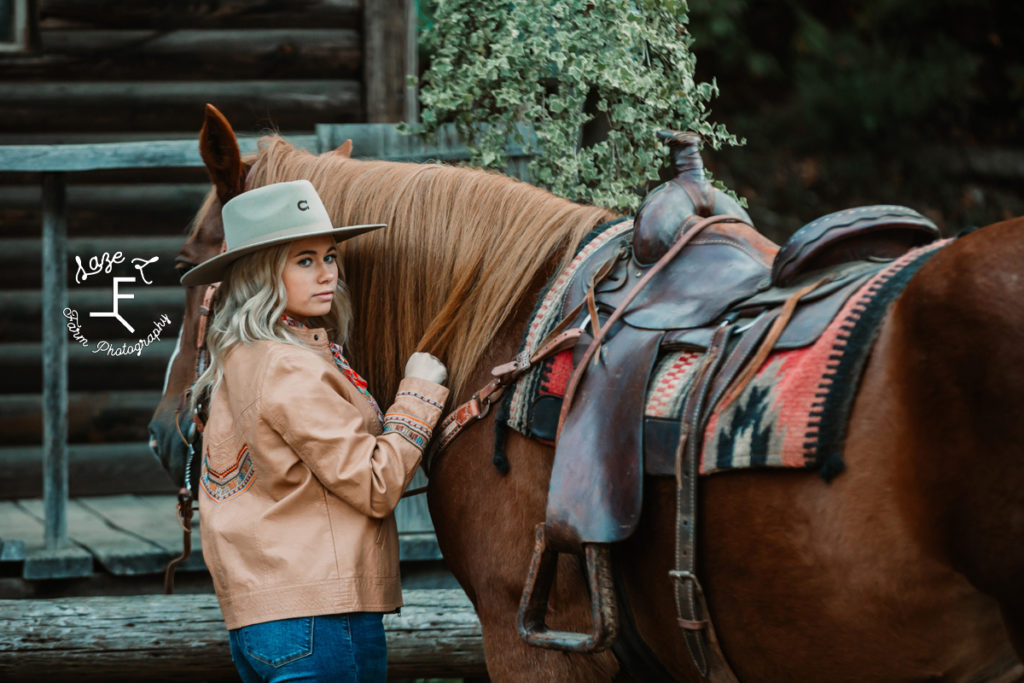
462	250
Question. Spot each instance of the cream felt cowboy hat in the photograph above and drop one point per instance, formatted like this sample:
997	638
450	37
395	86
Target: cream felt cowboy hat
270	215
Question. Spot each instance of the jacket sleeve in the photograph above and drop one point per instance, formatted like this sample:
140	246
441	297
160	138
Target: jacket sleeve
304	405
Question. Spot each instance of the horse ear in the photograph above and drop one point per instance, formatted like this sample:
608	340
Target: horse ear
344	149
219	150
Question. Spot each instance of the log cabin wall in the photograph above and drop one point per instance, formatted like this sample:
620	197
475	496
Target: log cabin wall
124	70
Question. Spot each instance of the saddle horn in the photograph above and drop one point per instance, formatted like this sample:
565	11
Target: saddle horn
668	208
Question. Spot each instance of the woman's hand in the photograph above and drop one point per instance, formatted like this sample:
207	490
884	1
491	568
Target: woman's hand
425	366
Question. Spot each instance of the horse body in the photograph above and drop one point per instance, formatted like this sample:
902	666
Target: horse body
807	580
902	568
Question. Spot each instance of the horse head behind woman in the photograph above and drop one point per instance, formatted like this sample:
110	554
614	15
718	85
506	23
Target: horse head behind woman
907	566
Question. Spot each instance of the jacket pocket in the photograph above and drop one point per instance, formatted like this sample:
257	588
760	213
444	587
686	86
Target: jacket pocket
279	642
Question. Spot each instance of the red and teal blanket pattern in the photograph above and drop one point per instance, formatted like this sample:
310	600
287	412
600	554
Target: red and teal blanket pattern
794	411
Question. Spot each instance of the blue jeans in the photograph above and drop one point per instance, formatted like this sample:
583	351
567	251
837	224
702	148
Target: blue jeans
335	647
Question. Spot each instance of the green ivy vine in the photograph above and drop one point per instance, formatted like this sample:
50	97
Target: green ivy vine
594	80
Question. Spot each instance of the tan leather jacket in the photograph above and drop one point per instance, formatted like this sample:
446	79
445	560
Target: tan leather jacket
299	483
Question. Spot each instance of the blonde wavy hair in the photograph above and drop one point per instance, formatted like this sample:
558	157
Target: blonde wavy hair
248	307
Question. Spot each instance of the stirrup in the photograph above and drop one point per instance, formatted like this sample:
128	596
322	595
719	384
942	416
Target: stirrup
604	608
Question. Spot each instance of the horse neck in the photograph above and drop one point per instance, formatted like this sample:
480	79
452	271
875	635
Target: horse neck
957	352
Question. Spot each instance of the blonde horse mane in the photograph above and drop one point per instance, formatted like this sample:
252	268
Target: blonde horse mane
462	249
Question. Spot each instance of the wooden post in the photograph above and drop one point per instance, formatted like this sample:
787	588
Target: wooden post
55	361
385	36
412	64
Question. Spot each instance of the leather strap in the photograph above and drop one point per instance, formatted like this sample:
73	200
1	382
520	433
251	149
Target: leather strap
693	615
781	320
186	497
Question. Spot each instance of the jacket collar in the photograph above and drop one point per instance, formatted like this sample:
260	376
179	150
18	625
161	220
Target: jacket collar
314	337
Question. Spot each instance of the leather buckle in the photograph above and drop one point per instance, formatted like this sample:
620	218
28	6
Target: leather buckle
683	576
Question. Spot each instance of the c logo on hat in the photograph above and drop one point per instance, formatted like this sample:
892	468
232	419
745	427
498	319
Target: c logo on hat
303	205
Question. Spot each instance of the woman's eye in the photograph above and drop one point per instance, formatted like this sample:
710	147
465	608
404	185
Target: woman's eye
305	261
330	258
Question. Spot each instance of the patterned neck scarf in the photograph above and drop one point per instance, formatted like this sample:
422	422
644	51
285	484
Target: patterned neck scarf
346	369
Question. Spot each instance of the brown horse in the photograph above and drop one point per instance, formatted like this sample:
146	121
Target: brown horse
908	566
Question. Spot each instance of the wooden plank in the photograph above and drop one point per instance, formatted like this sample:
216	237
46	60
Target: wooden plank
133	197
149	299
177	105
385	33
418	546
12	550
20	528
68	562
143	313
412	513
93	470
21	367
20	258
183	637
120	553
92	416
161	54
384	141
169	14
153	518
140	154
370	141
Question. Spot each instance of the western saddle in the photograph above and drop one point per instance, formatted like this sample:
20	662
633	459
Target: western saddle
692	273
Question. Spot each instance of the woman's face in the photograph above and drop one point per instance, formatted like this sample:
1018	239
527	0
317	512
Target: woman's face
310	276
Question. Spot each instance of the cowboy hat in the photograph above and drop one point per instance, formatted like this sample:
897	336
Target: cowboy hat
276	213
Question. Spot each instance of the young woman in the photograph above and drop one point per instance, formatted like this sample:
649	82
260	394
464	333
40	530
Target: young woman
301	469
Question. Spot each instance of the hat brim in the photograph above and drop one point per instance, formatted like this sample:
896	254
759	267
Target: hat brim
212	270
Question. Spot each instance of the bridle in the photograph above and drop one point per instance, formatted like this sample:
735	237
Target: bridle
186	496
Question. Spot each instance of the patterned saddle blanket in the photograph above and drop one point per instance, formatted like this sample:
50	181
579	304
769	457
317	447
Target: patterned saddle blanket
792	414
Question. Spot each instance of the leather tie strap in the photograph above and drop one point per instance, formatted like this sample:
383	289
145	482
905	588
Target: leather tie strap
691	606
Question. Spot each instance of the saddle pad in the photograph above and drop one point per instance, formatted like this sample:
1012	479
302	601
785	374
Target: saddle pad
517	410
792	414
795	410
